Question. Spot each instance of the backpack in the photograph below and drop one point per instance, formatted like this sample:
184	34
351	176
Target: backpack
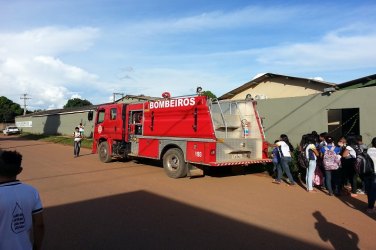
318	177
364	165
330	160
302	159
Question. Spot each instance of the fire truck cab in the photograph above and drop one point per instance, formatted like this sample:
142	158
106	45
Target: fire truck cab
186	133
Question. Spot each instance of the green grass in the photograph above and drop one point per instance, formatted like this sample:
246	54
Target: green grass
65	140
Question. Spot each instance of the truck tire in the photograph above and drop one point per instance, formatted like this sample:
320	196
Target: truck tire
174	164
104	152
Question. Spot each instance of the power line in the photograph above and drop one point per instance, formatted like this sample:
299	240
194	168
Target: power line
24	97
115	94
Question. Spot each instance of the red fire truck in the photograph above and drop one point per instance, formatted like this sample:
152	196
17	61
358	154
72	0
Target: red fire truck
187	133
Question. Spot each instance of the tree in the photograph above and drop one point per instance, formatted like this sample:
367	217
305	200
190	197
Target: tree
209	94
77	102
9	110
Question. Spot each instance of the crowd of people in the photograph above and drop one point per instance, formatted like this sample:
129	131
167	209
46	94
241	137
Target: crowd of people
334	166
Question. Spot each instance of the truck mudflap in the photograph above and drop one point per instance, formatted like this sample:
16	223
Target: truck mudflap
239	163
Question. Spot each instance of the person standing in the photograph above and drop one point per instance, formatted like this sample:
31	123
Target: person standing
370	180
362	147
311	154
348	163
81	129
302	162
331	162
322	141
276	159
77	142
285	149
21	211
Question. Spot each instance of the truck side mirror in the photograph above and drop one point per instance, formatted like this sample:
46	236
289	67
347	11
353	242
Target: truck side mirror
90	115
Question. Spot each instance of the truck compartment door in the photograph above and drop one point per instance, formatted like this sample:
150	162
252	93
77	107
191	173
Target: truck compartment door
148	148
195	151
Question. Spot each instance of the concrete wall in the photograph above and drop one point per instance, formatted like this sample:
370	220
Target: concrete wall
299	115
56	124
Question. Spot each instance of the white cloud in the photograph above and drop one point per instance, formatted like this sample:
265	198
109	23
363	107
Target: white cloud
76	96
318	78
237	18
258	75
337	50
248	16
348	48
57	67
30	63
155	81
47	41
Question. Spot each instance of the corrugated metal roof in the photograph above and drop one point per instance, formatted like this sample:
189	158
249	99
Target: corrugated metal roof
367	81
266	76
61	111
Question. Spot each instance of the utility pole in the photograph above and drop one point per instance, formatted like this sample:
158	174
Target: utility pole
24	97
122	95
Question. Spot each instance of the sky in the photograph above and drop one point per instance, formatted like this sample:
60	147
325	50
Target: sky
56	50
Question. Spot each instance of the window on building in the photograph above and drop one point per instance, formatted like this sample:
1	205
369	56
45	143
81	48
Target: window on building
343	122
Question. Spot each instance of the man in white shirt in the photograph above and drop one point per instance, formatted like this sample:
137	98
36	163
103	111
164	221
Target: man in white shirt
77	142
21	211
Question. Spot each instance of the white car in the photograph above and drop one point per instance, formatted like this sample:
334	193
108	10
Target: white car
11	130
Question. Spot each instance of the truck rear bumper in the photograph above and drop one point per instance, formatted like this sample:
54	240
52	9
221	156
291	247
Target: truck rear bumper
239	163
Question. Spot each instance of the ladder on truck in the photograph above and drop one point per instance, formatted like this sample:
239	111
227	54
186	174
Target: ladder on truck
226	121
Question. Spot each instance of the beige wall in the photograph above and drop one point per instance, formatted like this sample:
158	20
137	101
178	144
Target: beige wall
280	88
299	115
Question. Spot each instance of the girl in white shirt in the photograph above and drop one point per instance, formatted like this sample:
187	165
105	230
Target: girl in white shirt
311	154
286	149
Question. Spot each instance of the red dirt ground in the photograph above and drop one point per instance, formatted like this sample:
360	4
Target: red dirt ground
129	205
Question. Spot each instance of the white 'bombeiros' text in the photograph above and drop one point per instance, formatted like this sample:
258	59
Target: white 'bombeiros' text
173	103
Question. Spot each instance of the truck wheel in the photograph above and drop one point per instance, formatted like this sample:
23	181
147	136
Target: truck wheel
104	152
173	163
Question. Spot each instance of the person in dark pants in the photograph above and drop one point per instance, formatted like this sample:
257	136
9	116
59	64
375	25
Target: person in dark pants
370	181
348	163
77	142
331	161
370	187
285	149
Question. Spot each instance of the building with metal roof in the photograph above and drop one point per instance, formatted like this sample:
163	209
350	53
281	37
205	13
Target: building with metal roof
63	121
270	85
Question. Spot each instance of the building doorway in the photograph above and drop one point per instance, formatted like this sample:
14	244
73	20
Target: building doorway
343	122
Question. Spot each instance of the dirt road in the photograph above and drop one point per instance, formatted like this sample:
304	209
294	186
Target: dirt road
128	205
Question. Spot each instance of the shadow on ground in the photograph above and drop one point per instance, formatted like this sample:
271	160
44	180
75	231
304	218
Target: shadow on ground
339	237
142	220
